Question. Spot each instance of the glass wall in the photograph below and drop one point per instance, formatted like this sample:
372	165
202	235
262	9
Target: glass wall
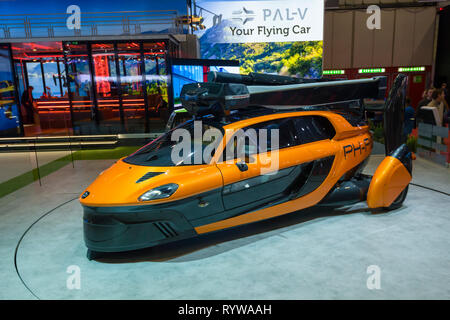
94	87
9	112
79	85
156	83
34	75
107	87
52	69
131	68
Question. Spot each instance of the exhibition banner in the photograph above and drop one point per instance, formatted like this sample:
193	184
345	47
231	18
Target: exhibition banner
261	21
278	37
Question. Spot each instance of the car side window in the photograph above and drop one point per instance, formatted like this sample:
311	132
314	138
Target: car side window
286	133
312	128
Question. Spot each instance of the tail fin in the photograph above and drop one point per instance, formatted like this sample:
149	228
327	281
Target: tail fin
389	184
394	115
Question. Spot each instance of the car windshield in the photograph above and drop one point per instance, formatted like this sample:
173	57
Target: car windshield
172	150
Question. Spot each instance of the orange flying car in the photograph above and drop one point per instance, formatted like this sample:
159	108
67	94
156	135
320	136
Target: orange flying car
323	143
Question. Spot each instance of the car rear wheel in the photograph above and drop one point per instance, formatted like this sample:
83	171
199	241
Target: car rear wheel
92	255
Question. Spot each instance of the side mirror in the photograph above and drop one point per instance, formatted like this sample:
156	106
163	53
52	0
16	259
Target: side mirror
242	166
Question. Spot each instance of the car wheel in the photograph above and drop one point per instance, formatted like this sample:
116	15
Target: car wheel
92	255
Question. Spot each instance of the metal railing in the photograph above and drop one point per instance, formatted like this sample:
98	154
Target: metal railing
54	25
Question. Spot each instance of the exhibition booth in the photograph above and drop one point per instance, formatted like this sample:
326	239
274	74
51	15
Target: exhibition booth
246	150
93	88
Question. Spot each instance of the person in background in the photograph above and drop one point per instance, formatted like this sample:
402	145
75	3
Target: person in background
444	88
437	101
410	120
446	97
426	98
28	104
47	94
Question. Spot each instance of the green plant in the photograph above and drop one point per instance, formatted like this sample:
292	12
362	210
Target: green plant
378	132
287	58
411	142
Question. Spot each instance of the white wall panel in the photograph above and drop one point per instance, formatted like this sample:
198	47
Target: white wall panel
369	2
363	42
353	2
342	39
404	37
384	40
424	37
328	41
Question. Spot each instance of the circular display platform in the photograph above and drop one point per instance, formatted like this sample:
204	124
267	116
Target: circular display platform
302	255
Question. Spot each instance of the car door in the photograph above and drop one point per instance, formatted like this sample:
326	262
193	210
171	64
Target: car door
257	175
304	157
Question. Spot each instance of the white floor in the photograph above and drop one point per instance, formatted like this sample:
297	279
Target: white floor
296	256
14	164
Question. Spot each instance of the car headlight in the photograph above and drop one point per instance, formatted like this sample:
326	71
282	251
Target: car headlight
161	192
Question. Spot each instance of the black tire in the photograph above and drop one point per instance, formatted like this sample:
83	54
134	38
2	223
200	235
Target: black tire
399	201
92	255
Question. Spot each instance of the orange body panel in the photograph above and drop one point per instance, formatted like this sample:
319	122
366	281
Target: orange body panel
117	185
389	180
303	153
345	135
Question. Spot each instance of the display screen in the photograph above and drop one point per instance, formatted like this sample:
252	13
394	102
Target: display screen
276	37
261	21
184	74
9	115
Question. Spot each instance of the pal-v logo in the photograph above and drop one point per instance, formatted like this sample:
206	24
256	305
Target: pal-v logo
246	15
284	15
